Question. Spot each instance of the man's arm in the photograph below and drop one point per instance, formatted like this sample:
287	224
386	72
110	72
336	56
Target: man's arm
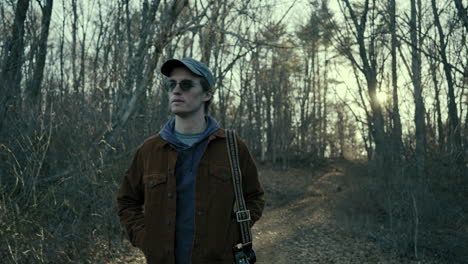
130	199
253	189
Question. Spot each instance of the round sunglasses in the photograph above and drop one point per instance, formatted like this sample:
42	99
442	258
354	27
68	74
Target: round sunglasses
184	85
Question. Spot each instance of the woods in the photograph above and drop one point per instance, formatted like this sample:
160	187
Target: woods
375	82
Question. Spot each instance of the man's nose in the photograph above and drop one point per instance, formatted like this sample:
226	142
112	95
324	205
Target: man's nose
177	89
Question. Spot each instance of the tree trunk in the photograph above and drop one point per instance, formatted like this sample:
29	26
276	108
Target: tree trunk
208	35
462	13
397	129
369	69
454	126
35	84
73	51
324	103
269	123
82	77
440	126
416	79
13	60
314	118
304	104
340	131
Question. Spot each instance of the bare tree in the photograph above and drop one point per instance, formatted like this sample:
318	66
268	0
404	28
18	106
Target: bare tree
434	65
13	60
419	112
454	126
462	13
397	129
36	81
139	77
76	83
369	70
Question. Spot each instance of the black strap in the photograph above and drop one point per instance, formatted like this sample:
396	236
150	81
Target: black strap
240	209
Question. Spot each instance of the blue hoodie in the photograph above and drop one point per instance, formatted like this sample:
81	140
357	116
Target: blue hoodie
186	173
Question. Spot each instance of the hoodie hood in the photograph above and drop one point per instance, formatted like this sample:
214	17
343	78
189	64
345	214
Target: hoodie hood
167	132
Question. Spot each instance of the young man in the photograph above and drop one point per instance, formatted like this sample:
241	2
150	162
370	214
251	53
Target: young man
176	199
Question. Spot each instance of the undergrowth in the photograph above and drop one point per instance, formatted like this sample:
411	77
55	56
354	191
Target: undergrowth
417	218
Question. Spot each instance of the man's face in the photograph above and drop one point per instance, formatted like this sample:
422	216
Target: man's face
185	101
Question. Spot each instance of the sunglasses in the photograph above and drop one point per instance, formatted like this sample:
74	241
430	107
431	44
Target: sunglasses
184	85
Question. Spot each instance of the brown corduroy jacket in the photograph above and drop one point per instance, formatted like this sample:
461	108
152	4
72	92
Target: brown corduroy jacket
147	200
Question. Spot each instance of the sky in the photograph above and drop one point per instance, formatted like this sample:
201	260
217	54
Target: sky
293	17
343	72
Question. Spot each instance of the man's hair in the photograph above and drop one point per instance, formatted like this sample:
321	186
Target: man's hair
206	88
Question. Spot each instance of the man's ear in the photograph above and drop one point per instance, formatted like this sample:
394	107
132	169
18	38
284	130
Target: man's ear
208	95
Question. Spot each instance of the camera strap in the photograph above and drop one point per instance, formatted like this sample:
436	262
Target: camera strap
240	209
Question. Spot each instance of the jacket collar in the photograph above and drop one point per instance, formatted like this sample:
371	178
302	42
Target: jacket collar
160	142
221	133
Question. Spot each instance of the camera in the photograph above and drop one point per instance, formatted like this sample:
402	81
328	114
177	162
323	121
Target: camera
244	254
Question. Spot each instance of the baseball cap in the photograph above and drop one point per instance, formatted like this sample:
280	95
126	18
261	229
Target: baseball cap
196	67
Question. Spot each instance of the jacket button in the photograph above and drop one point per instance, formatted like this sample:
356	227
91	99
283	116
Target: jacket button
151	182
169	195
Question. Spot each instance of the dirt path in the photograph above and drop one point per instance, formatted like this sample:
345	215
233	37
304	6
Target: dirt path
299	221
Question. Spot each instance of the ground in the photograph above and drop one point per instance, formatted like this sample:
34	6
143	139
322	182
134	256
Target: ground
300	225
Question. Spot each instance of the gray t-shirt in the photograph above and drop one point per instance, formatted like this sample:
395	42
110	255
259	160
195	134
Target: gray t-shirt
187	139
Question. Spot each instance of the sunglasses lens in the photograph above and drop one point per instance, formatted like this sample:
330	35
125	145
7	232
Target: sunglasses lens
185	85
170	85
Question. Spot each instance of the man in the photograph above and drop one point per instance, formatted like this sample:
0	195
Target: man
176	199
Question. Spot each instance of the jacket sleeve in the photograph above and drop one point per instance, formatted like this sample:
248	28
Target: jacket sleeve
130	200
252	188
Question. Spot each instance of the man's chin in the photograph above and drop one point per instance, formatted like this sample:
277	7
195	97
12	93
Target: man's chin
184	114
180	113
177	111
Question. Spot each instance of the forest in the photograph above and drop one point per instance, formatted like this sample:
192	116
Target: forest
318	86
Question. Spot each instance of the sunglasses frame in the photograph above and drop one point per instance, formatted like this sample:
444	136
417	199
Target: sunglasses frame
185	85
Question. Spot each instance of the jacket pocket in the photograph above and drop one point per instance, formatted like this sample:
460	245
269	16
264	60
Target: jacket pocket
155	186
221	188
152	180
220	173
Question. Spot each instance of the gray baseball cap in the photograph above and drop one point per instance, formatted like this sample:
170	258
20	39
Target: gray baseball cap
196	67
